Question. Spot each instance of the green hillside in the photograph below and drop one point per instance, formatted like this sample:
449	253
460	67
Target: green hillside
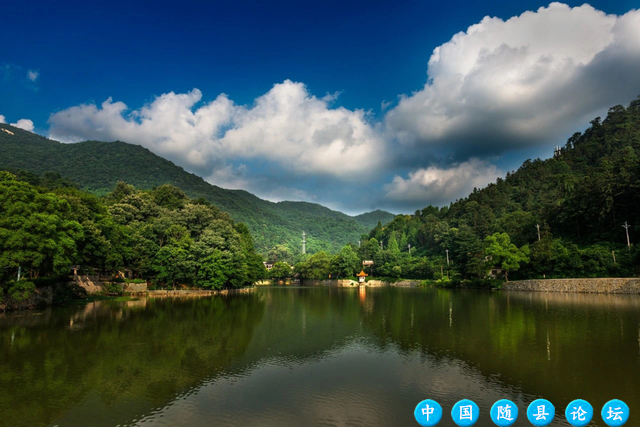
580	198
98	166
371	219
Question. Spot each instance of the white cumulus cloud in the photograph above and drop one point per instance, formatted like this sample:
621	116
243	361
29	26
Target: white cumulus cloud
25	124
2	119
287	126
527	80
437	186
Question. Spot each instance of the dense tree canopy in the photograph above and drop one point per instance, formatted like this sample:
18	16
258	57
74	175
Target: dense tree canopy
578	200
160	235
560	217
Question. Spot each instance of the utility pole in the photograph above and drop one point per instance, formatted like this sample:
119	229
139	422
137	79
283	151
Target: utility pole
381	245
19	271
626	228
538	227
409	248
358	243
304	243
613	253
447	251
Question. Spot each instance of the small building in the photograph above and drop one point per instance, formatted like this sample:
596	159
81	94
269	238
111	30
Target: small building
361	276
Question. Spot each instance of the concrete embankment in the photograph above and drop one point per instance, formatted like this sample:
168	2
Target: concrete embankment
599	286
352	283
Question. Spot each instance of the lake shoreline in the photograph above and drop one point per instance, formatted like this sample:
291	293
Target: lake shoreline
45	296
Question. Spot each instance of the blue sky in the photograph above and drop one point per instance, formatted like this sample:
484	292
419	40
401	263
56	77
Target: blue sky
325	78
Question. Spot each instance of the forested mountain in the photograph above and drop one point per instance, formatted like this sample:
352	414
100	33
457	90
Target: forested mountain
371	219
98	166
581	199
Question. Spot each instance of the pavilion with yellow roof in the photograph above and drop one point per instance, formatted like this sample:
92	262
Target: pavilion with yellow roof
361	276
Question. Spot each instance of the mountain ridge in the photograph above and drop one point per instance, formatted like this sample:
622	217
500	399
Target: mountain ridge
97	167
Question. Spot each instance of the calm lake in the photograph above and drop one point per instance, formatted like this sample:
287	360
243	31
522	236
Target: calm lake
316	356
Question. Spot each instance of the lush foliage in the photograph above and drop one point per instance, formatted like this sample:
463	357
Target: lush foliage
160	235
281	270
580	199
98	166
500	252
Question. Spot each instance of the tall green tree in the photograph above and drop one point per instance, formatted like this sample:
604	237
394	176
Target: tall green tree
36	232
317	266
280	253
503	253
392	245
346	263
281	270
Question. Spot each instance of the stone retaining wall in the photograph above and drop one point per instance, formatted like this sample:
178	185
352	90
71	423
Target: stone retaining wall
94	284
134	288
601	286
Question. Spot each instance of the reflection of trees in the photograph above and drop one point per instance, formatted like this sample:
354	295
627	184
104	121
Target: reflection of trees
553	345
305	323
120	353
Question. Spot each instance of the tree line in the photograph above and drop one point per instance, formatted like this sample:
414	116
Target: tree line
47	225
565	216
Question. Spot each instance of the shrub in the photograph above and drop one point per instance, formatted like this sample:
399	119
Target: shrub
21	290
112	289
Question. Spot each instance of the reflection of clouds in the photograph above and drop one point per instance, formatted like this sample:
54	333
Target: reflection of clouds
351	385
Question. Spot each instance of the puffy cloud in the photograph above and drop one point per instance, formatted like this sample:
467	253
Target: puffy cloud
498	86
25	124
523	81
33	75
437	186
287	126
167	126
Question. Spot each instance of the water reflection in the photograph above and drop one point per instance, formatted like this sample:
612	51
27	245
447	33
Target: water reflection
304	356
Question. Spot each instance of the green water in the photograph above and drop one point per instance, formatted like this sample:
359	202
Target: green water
316	356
